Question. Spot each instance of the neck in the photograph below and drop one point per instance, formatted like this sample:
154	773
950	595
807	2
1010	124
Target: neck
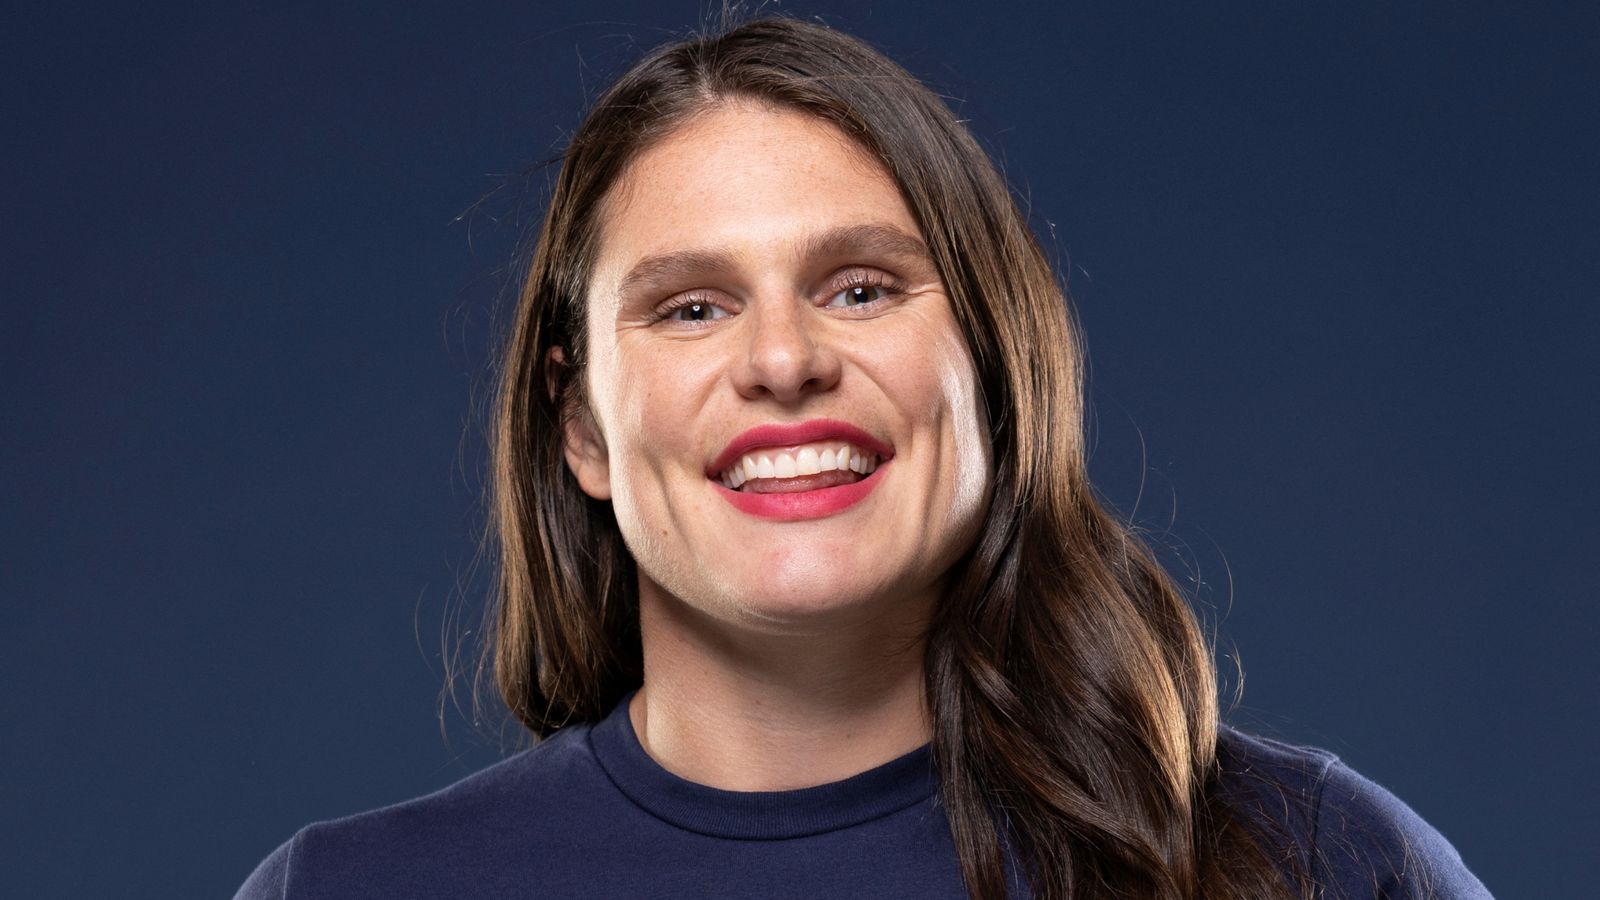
739	710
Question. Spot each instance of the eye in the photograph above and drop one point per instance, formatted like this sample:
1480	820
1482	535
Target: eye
692	310
858	294
863	287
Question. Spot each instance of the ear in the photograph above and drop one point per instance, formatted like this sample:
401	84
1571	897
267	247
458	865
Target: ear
582	442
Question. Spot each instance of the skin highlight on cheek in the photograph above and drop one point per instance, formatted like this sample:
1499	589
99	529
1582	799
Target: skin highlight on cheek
974	463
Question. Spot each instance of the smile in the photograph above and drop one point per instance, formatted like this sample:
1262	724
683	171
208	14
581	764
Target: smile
802	470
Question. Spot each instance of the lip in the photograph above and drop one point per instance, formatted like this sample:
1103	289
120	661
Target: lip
789	507
787	435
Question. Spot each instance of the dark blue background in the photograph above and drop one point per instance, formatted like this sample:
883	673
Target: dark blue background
1336	262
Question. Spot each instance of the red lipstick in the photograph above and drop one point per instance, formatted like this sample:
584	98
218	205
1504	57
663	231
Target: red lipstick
801	504
795	505
780	436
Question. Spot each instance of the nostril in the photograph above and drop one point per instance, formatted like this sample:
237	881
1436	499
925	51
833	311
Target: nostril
786	357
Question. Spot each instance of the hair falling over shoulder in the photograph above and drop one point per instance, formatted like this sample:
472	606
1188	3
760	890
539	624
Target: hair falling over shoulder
1073	693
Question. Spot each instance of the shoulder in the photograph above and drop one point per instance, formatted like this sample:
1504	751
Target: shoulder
1357	839
496	815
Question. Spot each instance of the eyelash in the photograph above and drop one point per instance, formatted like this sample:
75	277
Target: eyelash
849	280
864	278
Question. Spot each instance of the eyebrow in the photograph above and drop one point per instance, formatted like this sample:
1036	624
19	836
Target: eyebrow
871	239
868	240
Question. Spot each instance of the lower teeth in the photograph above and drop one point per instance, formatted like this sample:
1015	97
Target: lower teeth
796	485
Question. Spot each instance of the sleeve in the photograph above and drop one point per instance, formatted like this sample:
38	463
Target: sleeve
270	880
1370	844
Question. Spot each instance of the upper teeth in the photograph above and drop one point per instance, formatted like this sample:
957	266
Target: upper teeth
808	459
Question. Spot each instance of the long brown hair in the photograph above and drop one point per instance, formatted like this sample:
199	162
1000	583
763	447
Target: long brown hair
1073	694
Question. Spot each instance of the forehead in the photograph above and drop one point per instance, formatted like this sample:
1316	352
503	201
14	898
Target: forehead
745	179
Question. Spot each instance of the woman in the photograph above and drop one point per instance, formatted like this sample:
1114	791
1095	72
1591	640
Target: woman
802	579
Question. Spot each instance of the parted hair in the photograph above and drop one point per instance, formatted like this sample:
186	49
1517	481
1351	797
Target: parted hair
1073	692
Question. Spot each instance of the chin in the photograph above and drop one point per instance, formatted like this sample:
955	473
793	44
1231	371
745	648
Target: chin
787	601
796	591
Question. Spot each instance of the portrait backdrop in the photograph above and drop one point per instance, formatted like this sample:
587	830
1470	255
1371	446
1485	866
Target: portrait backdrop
1336	265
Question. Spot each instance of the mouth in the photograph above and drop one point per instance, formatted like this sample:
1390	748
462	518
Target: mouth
799	471
808	467
792	458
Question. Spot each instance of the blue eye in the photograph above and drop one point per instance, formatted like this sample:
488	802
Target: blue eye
696	312
857	295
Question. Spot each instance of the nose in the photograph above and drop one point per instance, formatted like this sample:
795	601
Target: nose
787	354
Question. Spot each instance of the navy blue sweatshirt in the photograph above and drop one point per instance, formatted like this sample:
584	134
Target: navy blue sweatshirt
587	813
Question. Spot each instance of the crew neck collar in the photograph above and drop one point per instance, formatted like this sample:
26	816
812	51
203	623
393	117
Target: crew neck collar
756	815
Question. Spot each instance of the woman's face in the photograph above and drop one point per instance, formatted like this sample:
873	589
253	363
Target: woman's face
781	407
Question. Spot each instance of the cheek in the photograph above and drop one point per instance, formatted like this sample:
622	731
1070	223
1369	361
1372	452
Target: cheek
933	376
948	377
641	430
635	444
968	428
654	413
